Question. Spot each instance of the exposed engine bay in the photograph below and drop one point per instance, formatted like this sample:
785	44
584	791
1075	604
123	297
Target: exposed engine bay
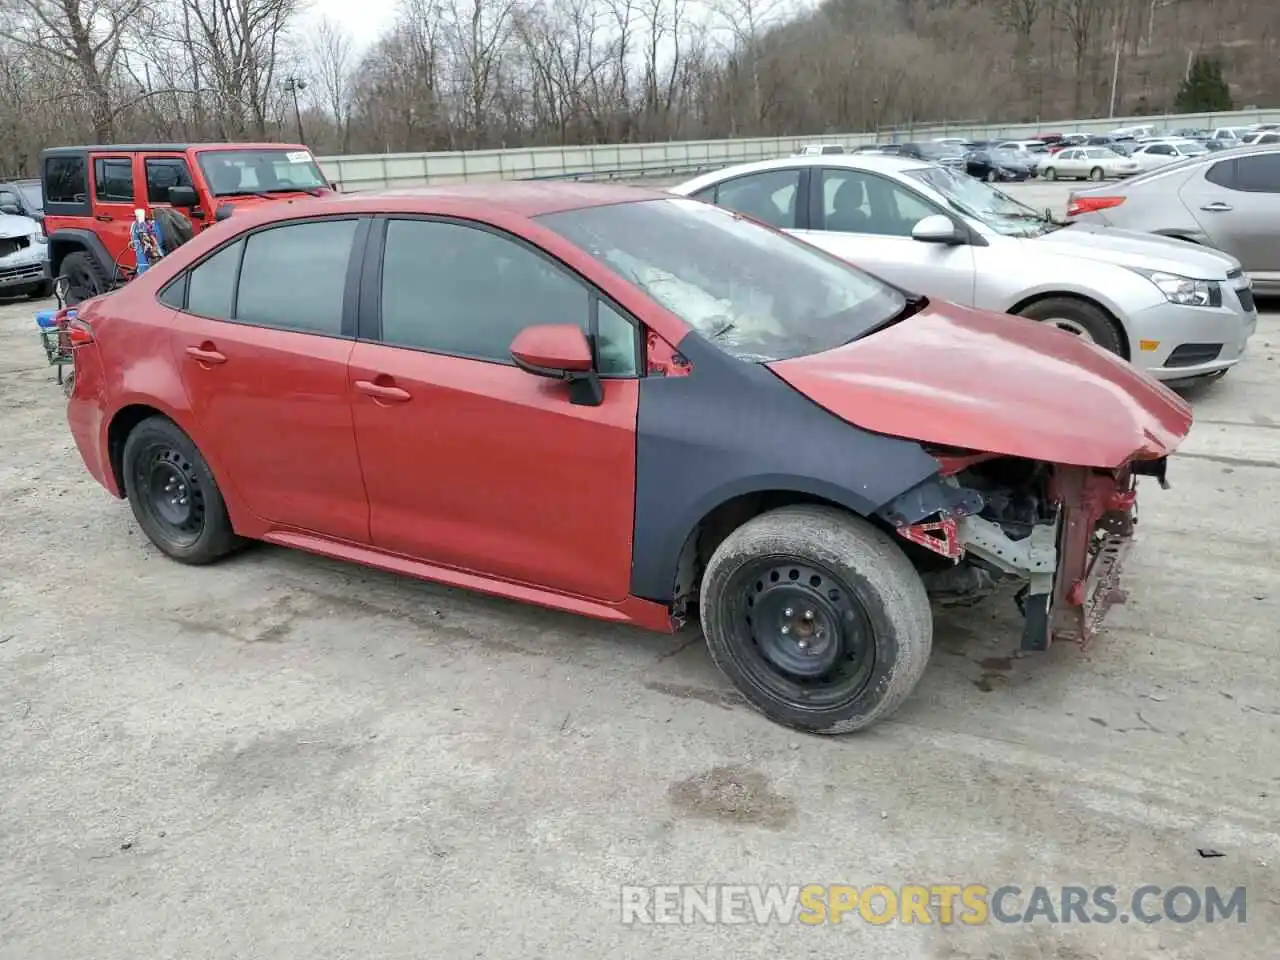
1054	534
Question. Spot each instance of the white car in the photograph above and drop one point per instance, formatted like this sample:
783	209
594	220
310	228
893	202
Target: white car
1229	134
1173	308
819	149
1031	152
1158	153
1087	163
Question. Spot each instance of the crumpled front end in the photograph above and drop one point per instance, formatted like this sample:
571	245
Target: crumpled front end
1057	535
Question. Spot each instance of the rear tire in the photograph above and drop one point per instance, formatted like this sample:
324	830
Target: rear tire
1080	317
1096	174
173	494
991	176
85	277
817	617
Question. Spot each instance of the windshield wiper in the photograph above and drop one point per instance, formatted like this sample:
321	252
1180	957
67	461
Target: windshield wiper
722	330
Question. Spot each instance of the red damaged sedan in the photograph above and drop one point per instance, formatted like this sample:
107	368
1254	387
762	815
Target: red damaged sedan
628	405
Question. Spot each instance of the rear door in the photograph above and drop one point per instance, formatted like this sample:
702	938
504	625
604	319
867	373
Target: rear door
114	197
1237	203
775	197
867	220
470	462
266	330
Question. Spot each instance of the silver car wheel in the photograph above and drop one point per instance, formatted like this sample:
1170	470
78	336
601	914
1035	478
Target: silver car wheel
1069	326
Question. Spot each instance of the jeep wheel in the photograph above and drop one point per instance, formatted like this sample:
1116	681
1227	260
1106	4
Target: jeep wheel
817	617
85	278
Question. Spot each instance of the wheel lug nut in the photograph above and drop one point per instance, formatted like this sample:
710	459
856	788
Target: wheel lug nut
788	612
786	628
802	644
808	614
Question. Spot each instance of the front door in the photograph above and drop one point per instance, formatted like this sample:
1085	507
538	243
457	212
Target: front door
867	220
114	199
470	462
263	345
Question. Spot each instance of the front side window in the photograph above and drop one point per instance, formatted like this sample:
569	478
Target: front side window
757	294
857	202
770	197
163	173
231	173
294	277
460	290
113	179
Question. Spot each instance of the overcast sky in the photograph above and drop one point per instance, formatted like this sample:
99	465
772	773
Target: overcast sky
364	20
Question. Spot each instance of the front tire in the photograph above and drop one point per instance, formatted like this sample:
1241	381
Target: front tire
817	617
1050	173
991	176
173	494
1079	317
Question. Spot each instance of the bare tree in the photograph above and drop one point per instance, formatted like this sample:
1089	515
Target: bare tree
331	61
88	37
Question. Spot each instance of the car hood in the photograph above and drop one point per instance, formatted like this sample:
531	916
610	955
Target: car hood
992	383
1145	251
13	225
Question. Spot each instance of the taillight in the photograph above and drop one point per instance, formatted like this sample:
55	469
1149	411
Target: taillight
79	333
1079	205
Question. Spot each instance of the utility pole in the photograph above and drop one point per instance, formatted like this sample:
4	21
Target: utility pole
1115	69
293	85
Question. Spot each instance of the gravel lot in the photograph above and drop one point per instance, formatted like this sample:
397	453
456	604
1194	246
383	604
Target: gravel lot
285	756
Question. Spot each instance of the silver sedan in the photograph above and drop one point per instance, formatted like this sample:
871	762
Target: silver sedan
1228	200
1178	311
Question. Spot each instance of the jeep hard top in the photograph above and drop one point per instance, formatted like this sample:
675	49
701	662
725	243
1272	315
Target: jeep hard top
91	193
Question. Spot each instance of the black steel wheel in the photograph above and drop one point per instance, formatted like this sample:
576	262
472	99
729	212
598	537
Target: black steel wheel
173	494
817	617
809	637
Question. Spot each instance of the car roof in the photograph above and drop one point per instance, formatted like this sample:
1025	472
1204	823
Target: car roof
524	198
173	147
873	162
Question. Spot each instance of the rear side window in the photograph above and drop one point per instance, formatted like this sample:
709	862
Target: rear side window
294	277
66	180
113	179
1259	174
211	289
163	173
770	197
1222	173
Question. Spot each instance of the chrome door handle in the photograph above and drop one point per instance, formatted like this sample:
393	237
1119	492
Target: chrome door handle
1216	207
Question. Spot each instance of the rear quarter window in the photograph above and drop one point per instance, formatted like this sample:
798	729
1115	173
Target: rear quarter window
66	180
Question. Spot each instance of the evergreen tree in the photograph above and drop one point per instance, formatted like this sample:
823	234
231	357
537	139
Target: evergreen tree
1204	90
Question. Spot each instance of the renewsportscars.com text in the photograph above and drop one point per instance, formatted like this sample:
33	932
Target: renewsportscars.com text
942	904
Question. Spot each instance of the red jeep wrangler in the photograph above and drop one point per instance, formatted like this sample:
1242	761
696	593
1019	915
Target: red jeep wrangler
90	194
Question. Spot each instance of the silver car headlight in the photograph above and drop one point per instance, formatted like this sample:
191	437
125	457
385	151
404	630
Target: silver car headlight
1185	291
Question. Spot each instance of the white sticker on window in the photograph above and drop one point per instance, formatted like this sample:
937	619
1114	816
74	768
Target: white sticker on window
298	156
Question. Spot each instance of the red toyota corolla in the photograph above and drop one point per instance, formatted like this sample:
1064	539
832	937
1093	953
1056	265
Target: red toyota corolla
628	405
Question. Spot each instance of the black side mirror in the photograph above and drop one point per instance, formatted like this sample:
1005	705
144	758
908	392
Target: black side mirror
224	211
11	208
183	197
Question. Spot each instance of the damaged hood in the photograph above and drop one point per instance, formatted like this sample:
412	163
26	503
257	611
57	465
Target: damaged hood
993	383
1145	251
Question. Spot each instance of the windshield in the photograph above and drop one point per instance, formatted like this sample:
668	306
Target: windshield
232	173
33	194
982	202
757	294
1192	149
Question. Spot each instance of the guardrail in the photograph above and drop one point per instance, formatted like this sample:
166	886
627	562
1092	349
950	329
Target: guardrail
635	160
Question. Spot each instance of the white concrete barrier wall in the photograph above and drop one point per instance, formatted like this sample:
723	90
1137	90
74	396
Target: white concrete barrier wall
392	170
